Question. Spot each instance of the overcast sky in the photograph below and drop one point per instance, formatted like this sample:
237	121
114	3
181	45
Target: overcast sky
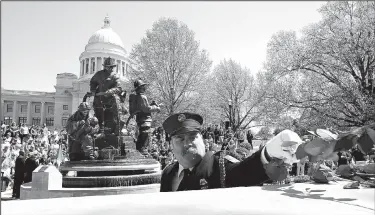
42	39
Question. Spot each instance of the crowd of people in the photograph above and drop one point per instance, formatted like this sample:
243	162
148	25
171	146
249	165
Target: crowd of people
24	148
238	144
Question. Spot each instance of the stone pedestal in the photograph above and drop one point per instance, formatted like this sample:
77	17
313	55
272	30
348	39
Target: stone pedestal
128	168
46	178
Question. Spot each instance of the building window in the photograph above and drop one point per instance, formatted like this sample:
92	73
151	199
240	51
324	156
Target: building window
49	121
64	121
9	107
37	108
127	68
123	71
87	68
22	120
36	121
65	107
8	120
50	109
93	66
23	108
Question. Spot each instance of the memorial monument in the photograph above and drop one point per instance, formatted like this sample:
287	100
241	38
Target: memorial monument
101	152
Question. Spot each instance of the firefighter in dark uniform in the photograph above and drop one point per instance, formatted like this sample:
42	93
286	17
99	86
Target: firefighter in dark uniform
105	87
196	169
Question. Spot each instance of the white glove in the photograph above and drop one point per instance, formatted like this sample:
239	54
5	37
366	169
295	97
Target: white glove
284	146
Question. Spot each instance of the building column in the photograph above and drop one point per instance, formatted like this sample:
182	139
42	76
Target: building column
85	62
116	62
96	64
84	65
42	113
101	65
2	110
120	69
15	112
29	120
90	65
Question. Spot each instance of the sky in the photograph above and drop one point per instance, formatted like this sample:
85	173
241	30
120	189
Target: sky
42	39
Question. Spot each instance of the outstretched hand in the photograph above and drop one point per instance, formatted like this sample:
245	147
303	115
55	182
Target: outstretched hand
284	146
280	151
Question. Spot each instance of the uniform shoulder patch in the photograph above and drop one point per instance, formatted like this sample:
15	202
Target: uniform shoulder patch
231	159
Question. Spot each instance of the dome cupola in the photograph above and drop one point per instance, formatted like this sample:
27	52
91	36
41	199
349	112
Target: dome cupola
106	35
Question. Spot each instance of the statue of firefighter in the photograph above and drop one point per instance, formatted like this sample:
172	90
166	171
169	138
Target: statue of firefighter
105	87
82	128
141	109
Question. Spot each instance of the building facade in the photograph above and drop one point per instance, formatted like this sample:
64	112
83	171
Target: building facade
37	108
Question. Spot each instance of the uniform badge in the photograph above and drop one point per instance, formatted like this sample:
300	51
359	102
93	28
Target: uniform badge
181	118
204	184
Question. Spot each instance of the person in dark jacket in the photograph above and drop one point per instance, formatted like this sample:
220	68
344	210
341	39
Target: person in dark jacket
30	166
19	174
357	154
344	158
250	137
196	169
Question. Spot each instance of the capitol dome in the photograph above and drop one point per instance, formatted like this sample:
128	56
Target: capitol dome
105	39
106	35
104	43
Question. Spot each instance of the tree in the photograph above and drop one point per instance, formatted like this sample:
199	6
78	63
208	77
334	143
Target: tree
169	59
330	69
235	94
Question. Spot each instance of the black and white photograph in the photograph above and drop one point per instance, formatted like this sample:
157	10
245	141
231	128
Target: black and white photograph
187	107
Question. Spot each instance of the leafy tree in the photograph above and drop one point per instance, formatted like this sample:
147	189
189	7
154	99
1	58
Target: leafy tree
327	75
235	94
170	60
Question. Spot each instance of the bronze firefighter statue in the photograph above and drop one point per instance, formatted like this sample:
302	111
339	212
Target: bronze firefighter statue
106	90
141	109
81	128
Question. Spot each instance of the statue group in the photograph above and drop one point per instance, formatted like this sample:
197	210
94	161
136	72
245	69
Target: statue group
86	130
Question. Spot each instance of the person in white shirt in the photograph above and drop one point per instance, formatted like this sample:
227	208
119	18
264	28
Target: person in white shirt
24	131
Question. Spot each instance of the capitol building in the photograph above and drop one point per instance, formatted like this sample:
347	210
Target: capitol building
37	108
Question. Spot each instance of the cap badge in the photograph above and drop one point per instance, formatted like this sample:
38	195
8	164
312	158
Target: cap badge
181	118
